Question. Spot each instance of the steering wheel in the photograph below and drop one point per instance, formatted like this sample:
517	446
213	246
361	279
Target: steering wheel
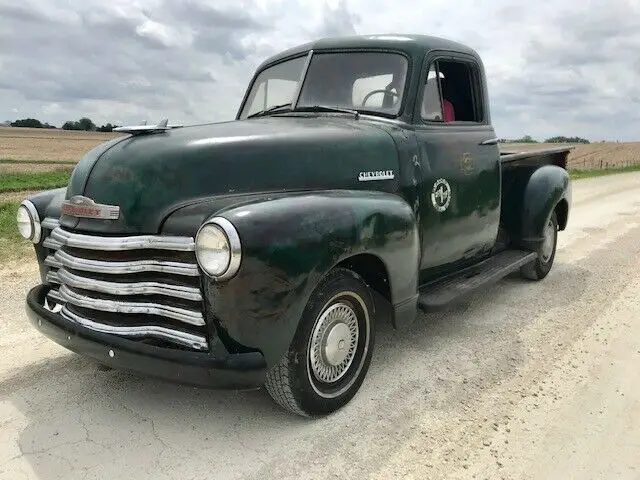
381	90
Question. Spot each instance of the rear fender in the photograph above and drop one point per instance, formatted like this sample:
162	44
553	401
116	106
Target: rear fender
548	188
290	243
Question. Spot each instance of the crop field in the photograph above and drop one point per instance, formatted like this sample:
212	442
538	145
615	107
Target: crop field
37	150
594	156
43	145
34	159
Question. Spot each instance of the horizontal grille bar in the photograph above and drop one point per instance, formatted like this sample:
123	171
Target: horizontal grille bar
120	288
51	243
50	223
197	342
141	287
191	317
64	259
59	238
51	261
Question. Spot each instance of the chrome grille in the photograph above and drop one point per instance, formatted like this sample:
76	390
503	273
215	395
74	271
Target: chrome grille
144	287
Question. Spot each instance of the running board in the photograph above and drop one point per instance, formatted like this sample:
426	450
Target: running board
441	293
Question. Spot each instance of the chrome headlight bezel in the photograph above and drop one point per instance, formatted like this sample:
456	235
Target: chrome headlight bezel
232	239
29	208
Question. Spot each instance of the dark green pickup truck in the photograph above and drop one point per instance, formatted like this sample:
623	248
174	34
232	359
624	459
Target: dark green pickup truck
360	182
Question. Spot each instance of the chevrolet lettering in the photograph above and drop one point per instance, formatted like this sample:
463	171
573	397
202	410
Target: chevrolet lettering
79	206
369	176
360	182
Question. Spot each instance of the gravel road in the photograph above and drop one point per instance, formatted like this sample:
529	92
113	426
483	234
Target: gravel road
527	380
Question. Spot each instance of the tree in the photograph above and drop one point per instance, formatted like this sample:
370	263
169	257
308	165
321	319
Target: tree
86	124
106	128
83	124
70	125
561	139
525	139
28	123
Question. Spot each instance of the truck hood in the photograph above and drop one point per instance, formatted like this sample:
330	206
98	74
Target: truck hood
150	176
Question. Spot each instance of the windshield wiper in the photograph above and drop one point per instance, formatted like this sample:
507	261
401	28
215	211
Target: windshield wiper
324	108
308	108
269	110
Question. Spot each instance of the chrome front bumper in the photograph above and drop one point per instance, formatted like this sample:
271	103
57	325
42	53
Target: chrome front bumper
216	368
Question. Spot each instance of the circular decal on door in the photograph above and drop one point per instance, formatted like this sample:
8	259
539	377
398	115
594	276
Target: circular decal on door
441	195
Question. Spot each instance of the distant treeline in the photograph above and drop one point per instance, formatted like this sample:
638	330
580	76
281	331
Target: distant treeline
84	123
87	124
559	139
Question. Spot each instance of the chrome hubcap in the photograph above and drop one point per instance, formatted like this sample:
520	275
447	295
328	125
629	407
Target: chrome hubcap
547	244
334	342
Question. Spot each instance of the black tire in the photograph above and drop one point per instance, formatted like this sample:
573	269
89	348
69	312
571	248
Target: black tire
541	267
295	383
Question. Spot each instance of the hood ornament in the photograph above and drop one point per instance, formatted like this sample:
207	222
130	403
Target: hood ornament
79	206
162	126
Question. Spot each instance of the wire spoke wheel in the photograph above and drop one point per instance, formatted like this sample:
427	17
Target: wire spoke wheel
330	353
333	344
540	267
338	344
549	242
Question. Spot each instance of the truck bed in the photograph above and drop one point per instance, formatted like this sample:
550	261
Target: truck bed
542	156
517	169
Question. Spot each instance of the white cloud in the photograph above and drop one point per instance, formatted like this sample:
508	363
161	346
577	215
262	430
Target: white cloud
163	34
552	68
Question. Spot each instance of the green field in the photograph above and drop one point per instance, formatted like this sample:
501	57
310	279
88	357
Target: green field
12	184
16	182
577	174
12	245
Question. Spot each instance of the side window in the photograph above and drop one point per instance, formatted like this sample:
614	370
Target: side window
431	108
451	93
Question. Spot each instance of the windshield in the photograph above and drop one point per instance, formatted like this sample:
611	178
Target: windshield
365	81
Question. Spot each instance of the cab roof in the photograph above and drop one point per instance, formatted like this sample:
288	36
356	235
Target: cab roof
416	46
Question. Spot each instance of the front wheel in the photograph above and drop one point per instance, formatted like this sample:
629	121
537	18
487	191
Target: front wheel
331	351
540	267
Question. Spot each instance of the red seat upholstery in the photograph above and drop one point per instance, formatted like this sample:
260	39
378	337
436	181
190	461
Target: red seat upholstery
448	112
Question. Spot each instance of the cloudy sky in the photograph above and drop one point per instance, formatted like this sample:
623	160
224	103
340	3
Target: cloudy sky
555	67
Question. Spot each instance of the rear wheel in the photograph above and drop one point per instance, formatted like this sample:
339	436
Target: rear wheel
539	268
331	351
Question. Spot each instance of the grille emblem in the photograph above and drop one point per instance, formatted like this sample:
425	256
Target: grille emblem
79	206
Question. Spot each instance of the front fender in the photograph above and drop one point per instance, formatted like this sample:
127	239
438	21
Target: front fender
290	243
547	187
48	204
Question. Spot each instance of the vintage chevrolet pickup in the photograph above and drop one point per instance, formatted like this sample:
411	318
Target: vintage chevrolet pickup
360	182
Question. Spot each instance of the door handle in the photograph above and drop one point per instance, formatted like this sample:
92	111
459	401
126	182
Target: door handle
491	141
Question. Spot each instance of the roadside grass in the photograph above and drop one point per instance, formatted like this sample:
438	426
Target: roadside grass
15	182
12	245
578	174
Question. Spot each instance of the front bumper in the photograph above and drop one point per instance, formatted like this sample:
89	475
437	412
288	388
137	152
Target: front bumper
228	371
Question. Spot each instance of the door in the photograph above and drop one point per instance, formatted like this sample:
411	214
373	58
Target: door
459	161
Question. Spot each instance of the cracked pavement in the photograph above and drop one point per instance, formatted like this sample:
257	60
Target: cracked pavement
525	380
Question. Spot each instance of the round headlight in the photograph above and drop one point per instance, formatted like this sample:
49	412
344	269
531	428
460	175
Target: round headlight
28	221
218	248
